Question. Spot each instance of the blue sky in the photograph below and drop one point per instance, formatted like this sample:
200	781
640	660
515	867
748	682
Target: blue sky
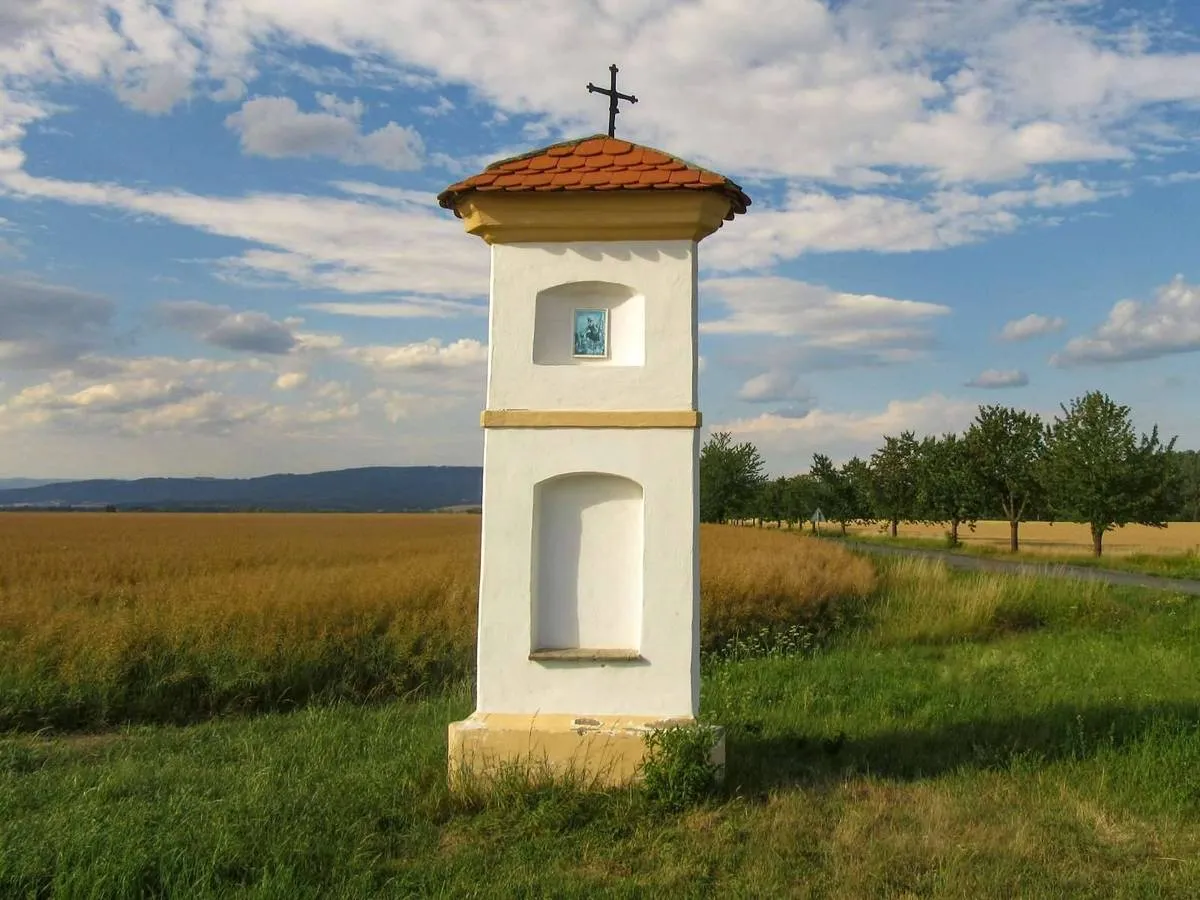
220	251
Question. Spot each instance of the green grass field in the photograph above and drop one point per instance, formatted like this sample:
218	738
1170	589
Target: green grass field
964	735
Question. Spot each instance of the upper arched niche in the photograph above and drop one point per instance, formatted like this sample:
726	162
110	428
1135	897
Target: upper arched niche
554	323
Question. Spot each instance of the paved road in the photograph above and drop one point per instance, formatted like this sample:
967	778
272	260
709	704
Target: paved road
987	564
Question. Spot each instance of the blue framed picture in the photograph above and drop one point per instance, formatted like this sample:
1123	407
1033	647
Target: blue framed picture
591	333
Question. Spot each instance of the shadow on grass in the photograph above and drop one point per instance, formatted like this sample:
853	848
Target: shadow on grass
759	762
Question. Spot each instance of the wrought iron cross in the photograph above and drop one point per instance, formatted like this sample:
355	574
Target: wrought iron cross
613	97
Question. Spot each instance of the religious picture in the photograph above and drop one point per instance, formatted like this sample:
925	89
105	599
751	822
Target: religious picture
591	332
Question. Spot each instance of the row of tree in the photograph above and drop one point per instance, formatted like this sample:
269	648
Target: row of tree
1088	465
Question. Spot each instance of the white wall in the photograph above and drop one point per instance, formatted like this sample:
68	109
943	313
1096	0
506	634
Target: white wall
651	282
664	462
588	565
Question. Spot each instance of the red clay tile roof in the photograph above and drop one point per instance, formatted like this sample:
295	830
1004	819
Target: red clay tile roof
595	163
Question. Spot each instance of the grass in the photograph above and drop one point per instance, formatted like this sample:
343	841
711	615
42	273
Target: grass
965	735
174	618
1165	564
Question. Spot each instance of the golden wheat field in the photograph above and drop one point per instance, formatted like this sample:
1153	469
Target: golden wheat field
172	616
1064	537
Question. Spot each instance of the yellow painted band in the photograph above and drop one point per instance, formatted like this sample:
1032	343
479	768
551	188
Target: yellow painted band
510	218
566	418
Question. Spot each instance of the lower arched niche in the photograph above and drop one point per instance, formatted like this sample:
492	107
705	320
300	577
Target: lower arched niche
587	563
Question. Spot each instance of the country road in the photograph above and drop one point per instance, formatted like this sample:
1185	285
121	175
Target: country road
1053	570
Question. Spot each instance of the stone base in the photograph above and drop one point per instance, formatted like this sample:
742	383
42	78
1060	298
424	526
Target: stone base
602	751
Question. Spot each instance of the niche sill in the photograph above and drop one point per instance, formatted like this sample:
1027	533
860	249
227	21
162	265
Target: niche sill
585	654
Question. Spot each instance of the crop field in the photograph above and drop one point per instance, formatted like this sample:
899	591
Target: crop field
894	729
1061	538
173	617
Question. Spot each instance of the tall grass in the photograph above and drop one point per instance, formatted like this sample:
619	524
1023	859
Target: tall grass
171	617
921	601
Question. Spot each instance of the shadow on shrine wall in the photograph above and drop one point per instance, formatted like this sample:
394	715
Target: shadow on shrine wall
652	251
759	763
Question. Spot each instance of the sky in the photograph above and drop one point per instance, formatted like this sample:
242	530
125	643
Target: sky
221	251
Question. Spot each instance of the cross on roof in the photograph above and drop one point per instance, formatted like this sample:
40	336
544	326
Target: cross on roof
613	97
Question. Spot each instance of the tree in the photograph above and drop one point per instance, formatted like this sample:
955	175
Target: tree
839	492
1186	507
1005	447
894	480
730	476
947	488
856	478
799	499
770	499
1097	471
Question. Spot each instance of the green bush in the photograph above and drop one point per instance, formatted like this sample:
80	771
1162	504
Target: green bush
678	770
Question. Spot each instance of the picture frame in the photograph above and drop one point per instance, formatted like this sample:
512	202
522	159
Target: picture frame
590	333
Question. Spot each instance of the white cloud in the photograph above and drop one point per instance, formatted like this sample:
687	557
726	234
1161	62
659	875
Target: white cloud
289	381
817	222
930	95
401	197
1174	178
431	354
133	397
773	386
440	108
1135	330
999	378
961	91
318	242
275	127
839	89
823	327
789	441
164	396
1031	326
416	308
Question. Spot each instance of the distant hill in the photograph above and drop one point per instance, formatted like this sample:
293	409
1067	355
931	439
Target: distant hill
7	483
379	488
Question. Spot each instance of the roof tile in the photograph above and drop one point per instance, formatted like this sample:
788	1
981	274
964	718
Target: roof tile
594	163
590	147
622	178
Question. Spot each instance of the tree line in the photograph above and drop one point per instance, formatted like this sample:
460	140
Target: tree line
1087	466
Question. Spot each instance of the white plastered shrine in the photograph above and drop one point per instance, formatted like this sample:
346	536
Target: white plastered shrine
589	581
